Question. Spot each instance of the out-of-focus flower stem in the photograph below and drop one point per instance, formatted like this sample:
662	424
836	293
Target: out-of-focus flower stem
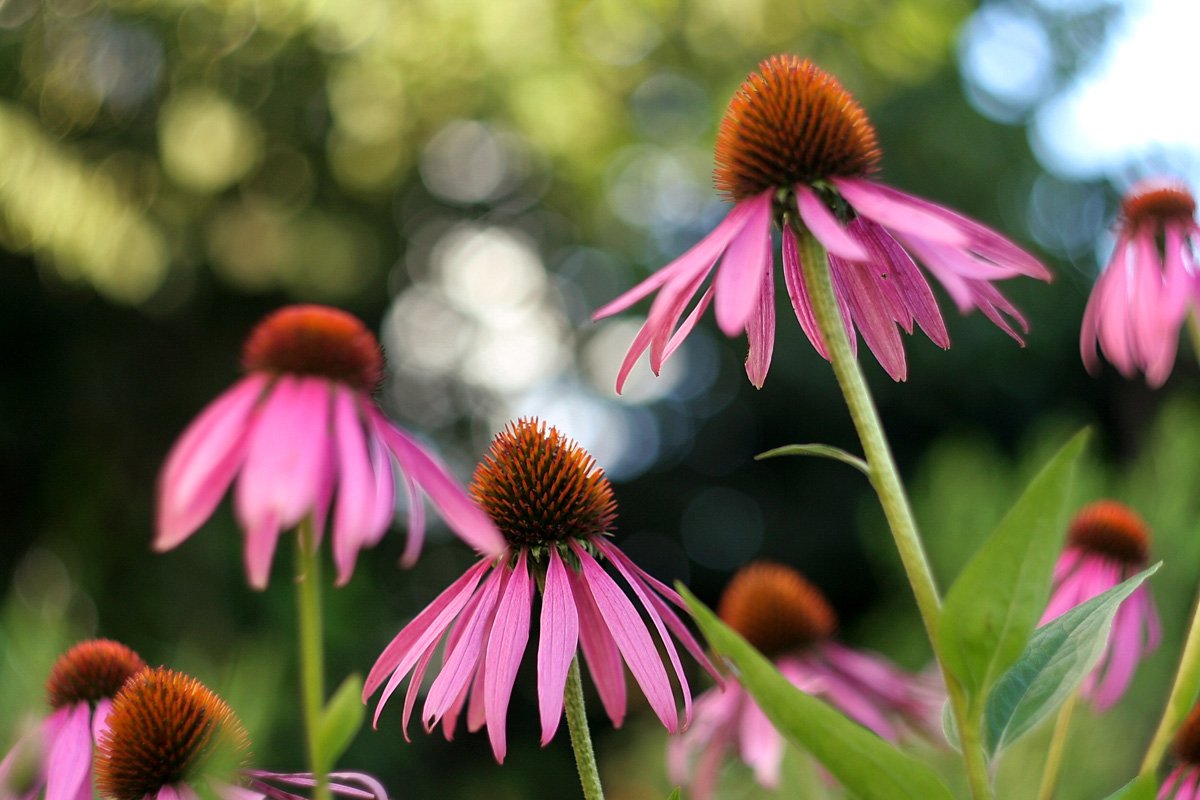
581	738
312	651
1183	695
1058	744
886	481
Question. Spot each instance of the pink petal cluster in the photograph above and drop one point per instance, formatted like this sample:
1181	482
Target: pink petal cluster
61	748
259	784
1143	296
1183	783
484	620
865	687
877	283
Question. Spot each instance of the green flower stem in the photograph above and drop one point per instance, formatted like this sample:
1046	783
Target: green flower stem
1193	325
581	738
312	668
886	481
1182	697
1058	744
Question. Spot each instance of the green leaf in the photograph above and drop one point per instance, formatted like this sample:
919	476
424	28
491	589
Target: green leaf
340	721
675	795
821	451
866	765
995	604
1058	657
1143	787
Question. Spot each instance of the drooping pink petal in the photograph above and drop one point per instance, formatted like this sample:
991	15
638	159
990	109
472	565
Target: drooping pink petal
261	537
760	745
797	286
739	278
664	316
100	718
898	211
414	685
69	763
852	702
462	515
821	222
416	523
760	329
559	636
202	463
688	324
385	497
632	638
871	313
505	647
903	281
354	513
599	651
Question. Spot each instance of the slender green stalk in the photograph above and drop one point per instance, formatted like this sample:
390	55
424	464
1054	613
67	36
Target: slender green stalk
1183	695
885	479
312	666
1058	744
1193	324
581	738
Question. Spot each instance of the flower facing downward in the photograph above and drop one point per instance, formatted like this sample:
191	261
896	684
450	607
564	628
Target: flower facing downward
171	738
791	623
1107	543
80	689
795	148
301	434
1183	782
1140	301
555	508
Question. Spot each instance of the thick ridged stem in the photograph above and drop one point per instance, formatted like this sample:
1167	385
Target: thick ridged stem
581	738
312	653
885	479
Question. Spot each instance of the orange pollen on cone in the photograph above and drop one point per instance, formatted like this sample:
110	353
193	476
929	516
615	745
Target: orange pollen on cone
315	340
1187	738
539	487
791	122
1158	205
1111	529
91	671
775	608
164	728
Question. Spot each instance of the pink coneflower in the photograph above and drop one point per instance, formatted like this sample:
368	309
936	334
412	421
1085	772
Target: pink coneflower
170	738
80	689
795	148
299	426
555	507
1107	543
1183	782
1142	298
791	623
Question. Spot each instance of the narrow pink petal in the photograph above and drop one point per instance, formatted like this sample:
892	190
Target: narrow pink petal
415	638
1089	330
354	513
645	334
1112	319
259	549
559	633
202	463
901	276
898	211
872	313
760	329
1177	278
288	450
664	316
688	324
452	501
739	277
760	745
414	686
850	700
632	638
476	712
461	660
69	763
450	718
698	260
505	647
599	651
416	523
385	491
100	718
825	226
793	278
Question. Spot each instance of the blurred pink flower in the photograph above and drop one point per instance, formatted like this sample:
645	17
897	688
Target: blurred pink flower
57	755
555	507
1106	544
796	147
1142	298
790	622
171	738
1183	782
298	427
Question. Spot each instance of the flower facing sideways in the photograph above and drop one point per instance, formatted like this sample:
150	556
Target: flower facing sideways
1107	543
298	429
1140	301
791	623
796	149
1183	782
171	738
555	508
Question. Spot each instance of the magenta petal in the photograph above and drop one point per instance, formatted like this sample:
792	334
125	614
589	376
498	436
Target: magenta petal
793	277
100	718
69	764
461	660
760	330
632	638
898	211
414	686
202	463
739	278
821	222
664	315
416	523
559	632
354	513
760	745
385	493
599	651
505	646
872	313
903	281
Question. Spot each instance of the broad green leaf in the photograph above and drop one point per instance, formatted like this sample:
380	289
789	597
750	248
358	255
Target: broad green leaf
1143	787
820	451
950	726
866	765
1058	657
340	721
993	607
